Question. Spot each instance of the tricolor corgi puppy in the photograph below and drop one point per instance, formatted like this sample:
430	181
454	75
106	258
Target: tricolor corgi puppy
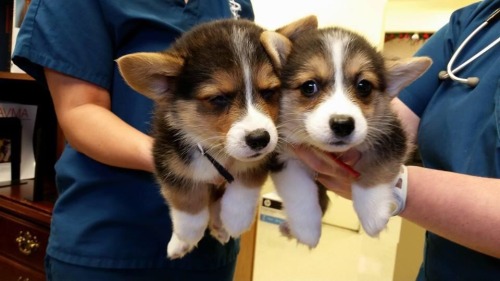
216	97
336	95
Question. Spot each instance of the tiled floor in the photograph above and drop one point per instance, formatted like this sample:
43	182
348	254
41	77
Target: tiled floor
342	254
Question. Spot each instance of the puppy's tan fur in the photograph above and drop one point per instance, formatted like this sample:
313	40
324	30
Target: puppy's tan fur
215	87
337	91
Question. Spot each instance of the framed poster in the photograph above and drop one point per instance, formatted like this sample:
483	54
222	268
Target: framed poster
17	125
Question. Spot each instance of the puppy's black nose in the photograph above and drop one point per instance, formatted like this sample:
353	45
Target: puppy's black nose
342	125
258	139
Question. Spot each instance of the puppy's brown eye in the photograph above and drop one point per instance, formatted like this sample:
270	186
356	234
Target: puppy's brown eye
267	93
364	88
220	101
309	88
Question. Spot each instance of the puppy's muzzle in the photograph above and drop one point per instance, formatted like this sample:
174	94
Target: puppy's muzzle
258	139
341	125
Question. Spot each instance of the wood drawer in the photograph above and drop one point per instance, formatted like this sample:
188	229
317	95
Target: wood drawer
23	242
13	271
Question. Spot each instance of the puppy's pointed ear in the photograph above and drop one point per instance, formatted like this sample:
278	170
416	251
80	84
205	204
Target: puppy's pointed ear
278	44
298	27
150	73
402	72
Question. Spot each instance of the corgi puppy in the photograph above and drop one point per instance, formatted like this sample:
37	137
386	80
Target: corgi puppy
216	97
336	95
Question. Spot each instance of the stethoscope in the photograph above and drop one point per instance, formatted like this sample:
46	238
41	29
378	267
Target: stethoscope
470	81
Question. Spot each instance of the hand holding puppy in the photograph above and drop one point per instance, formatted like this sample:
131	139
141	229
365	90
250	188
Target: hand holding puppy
330	173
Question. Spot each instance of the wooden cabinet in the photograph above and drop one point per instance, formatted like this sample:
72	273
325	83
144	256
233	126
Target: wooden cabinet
24	226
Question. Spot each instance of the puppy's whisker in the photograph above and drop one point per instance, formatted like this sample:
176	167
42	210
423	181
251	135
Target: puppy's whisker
298	132
216	150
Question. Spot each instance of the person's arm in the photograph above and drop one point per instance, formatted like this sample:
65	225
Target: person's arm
462	208
83	112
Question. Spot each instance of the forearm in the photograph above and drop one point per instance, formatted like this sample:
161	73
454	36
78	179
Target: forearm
101	135
461	208
83	112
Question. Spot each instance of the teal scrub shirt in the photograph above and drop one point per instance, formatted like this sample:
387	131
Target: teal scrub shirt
105	216
459	128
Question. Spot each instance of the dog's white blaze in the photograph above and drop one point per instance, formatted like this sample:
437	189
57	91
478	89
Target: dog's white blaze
254	119
337	103
337	52
244	50
248	81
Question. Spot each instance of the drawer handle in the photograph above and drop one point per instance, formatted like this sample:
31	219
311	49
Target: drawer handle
23	279
26	243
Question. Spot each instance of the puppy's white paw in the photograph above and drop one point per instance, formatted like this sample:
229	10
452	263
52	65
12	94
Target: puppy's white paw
237	219
178	248
238	207
299	193
285	230
188	229
309	238
375	223
306	230
218	232
373	206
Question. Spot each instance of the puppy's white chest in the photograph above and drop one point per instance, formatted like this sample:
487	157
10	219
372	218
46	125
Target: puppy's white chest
202	169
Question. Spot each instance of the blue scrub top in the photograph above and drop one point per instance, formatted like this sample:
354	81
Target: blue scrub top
106	216
459	128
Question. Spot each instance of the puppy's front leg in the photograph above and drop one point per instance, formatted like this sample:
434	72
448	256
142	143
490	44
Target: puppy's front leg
299	192
240	200
375	203
190	215
373	206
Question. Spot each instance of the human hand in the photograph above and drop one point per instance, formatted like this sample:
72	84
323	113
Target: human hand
329	172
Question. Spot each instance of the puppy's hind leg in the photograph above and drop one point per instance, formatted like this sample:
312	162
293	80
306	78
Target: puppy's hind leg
215	224
189	212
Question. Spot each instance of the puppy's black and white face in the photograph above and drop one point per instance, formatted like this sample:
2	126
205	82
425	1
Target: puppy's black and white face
333	86
216	85
337	91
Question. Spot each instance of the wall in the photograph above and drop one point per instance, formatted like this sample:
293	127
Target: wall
368	20
420	15
371	18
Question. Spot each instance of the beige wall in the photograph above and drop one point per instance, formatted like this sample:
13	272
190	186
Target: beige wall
420	15
409	252
368	21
